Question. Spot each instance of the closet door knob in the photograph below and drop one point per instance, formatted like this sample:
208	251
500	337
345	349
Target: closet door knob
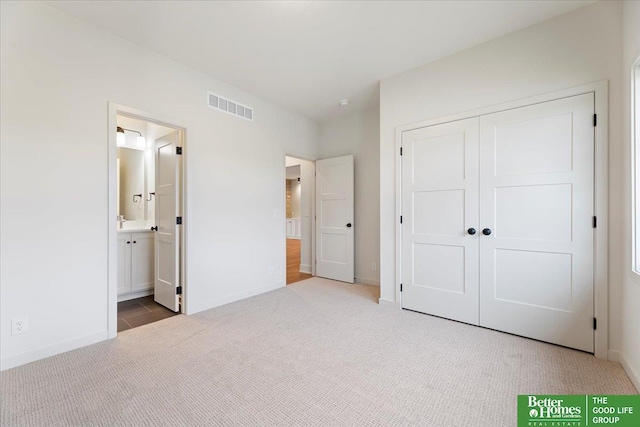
471	231
486	231
128	243
134	241
349	225
154	228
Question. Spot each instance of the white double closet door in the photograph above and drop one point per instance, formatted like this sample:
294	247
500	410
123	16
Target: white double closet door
498	221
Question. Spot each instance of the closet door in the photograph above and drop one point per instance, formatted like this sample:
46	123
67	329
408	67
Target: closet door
536	200
439	211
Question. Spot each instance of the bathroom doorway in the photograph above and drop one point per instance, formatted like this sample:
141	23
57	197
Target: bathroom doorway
299	218
146	219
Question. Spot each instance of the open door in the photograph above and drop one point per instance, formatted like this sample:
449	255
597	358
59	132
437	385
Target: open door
167	247
334	220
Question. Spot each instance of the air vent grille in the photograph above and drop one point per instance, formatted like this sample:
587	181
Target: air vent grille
228	106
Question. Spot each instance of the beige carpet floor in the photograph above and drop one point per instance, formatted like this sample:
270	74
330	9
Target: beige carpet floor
316	353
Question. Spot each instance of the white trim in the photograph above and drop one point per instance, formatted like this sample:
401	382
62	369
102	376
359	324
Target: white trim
601	284
134	295
305	268
52	350
635	94
388	303
301	156
368	282
114	110
207	305
617	356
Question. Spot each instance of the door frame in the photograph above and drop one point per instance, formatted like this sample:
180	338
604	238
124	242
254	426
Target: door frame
292	153
601	196
114	110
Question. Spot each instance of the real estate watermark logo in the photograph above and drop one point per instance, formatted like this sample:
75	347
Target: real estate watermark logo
578	410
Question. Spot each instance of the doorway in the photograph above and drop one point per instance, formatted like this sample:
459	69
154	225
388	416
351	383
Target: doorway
299	184
146	211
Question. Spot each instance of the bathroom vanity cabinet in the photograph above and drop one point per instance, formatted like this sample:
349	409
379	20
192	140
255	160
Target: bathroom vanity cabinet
135	264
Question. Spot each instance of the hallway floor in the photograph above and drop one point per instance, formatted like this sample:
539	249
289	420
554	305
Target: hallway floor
140	311
293	262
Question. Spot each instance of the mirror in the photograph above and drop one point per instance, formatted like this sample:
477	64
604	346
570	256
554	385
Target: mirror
131	192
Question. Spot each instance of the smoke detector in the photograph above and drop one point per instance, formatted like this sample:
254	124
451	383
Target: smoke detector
344	102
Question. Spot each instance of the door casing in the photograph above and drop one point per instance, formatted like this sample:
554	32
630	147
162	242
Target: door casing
292	153
601	170
114	110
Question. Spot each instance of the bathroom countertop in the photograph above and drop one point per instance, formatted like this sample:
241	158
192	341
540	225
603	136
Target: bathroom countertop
135	226
134	230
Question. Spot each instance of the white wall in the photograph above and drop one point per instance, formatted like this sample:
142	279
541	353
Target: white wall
359	134
629	346
57	76
296	191
307	198
577	48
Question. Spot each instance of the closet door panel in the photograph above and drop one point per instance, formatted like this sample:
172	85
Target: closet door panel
439	204
536	197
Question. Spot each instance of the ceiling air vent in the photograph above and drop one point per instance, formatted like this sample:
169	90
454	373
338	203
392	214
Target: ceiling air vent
228	106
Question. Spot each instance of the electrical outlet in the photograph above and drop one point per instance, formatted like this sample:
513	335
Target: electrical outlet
273	269
374	267
19	325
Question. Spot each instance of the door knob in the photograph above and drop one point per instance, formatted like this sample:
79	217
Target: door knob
471	231
154	228
349	225
128	243
486	231
134	241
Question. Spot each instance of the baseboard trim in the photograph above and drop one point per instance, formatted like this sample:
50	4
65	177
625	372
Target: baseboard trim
304	268
388	303
207	305
134	295
367	282
616	356
52	350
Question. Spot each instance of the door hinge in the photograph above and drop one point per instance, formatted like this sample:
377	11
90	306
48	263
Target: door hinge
595	222
595	323
400	287
595	120
400	219
179	290
401	151
179	151
179	220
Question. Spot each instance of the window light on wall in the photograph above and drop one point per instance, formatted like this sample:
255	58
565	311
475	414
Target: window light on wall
635	144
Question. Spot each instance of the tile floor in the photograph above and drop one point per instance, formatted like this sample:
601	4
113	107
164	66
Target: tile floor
140	311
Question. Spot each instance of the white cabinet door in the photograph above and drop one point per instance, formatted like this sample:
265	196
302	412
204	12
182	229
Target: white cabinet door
537	198
439	207
334	226
289	226
124	263
142	252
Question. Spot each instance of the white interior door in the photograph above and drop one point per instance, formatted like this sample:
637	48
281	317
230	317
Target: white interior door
536	186
167	255
334	223
440	220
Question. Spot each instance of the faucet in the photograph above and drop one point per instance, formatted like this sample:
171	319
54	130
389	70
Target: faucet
121	220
